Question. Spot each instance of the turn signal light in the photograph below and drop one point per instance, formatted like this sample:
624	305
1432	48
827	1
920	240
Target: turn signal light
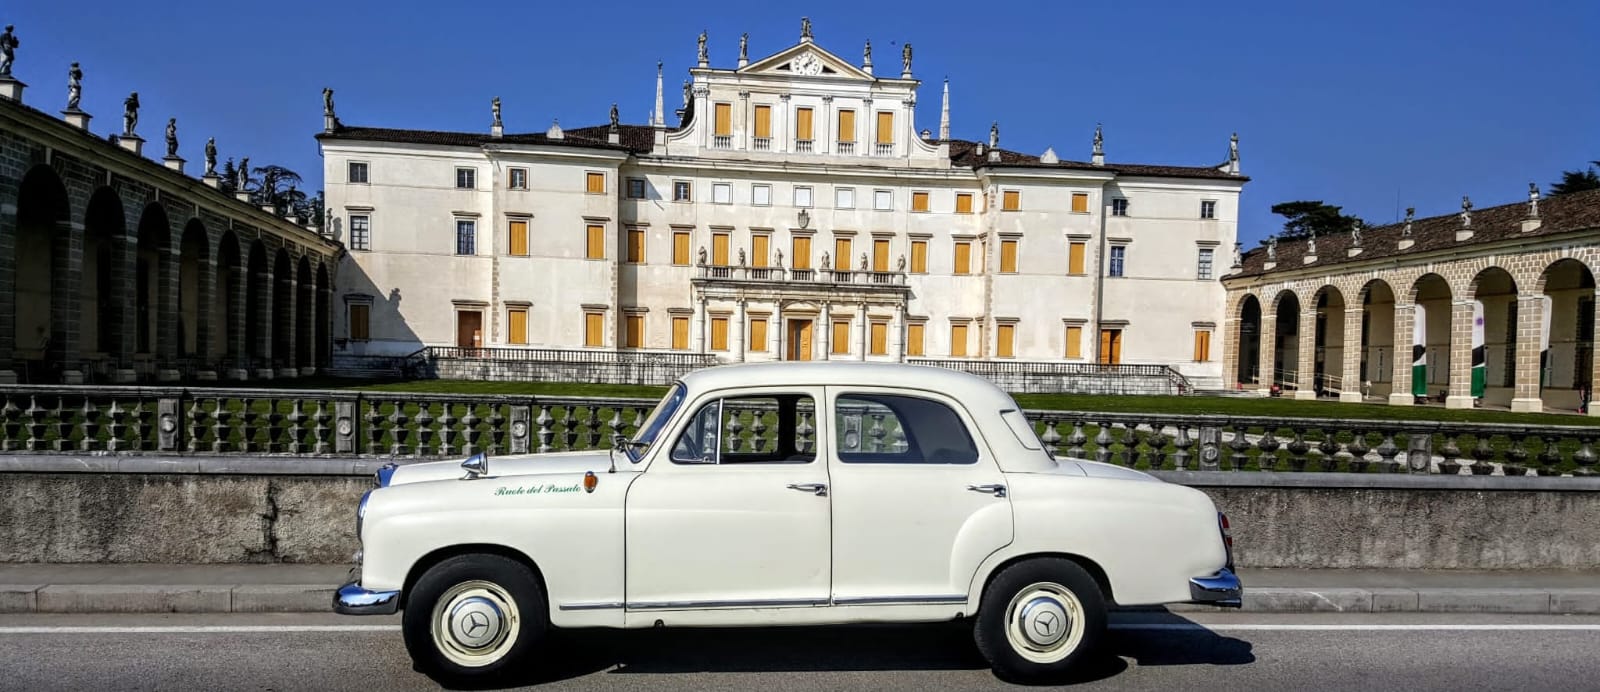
590	481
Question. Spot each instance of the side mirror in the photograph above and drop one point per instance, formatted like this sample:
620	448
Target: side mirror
476	465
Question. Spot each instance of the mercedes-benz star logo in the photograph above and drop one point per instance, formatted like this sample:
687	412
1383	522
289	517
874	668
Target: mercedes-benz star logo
1046	624
476	622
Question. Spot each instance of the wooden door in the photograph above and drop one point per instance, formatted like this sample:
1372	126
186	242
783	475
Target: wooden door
1110	346
469	328
799	340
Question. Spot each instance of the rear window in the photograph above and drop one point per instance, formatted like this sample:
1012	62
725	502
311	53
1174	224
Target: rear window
1020	427
895	429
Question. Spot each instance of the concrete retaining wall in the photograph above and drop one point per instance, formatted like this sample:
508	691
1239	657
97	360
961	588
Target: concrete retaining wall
303	510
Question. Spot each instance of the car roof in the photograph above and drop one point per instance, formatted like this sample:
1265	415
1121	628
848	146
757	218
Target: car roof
969	388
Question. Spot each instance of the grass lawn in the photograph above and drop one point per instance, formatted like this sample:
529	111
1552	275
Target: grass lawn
1237	406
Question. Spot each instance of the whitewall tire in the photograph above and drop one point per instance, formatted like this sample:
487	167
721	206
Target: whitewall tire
475	618
1039	619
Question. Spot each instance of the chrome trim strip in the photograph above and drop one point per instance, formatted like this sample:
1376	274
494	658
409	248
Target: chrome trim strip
609	605
351	599
900	600
1221	589
687	605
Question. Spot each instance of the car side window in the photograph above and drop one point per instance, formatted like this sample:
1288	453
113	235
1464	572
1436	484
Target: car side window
896	429
769	428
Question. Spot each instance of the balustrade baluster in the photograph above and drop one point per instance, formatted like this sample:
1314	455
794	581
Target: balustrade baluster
1076	439
319	431
35	415
13	425
196	416
1049	438
297	430
1550	457
1239	448
1130	445
141	426
758	432
63	425
424	427
1268	461
1330	449
1358	451
1298	449
1102	442
497	429
876	432
221	431
1387	450
1180	458
1451	451
571	422
374	426
398	432
591	426
275	435
1517	456
734	441
447	430
471	432
1584	457
1482	453
1157	443
547	433
91	425
117	429
804	433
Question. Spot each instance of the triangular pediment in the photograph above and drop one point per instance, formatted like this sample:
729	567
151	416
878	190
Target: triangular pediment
805	60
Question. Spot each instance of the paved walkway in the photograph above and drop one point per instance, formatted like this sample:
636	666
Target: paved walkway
102	588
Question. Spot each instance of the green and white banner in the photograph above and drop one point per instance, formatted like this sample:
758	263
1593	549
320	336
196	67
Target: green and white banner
1419	350
1480	363
1544	341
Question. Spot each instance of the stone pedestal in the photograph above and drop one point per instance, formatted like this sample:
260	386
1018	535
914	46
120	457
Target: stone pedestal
125	376
212	179
206	376
8	377
173	162
1527	405
71	377
1406	243
1401	398
11	88
308	371
288	373
133	143
1305	395
76	118
264	374
1349	397
242	196
165	375
1533	224
1458	401
237	375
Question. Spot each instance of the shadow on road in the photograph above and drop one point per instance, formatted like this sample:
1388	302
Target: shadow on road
945	646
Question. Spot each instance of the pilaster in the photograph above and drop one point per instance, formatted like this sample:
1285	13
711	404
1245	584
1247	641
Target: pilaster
1400	377
1269	350
1352	388
1306	369
1460	395
1530	318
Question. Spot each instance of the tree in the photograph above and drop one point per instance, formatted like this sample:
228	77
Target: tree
274	186
1577	181
1307	216
230	177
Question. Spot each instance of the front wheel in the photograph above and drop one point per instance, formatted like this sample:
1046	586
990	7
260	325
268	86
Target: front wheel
475	618
1039	619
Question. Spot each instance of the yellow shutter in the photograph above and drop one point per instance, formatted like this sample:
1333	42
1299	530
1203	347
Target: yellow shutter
1008	256
880	255
758	334
633	331
919	201
914	339
1080	201
597	242
719	249
847	126
958	340
764	122
1005	340
680	333
841	337
594	329
802	252
963	257
636	245
359	314
519	238
719	333
1075	258
802	124
597	183
1202	346
680	247
964	203
885	127
841	253
880	338
517	325
724	119
1074	342
760	249
919	256
1011	201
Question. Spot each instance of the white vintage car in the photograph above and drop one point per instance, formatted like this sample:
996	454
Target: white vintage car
786	494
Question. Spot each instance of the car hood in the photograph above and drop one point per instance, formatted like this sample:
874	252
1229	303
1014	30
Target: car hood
598	461
1095	469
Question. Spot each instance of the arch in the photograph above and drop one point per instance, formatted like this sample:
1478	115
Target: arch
152	269
304	313
1328	338
1248	338
256	314
227	281
100	297
1286	338
194	292
1566	375
1431	304
39	301
324	330
1494	334
282	310
1378	340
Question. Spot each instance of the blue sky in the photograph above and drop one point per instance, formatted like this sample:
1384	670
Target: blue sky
1374	105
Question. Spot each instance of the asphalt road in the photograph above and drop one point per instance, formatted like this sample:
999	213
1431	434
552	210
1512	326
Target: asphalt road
1148	651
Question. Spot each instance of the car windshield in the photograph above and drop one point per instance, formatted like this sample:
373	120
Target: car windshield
651	428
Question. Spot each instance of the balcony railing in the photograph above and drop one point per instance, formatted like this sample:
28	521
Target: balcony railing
761	143
803	146
721	141
847	148
780	274
884	150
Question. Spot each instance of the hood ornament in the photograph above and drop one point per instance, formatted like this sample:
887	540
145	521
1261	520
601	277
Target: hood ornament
476	466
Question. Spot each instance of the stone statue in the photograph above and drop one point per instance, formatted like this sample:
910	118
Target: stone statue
1238	254
744	46
130	113
805	28
211	156
1466	212
1355	233
702	255
686	93
779	253
1272	248
8	50
614	116
1233	147
1099	141
244	175
994	135
74	87
905	59
863	261
1311	244
900	264
172	138
1411	213
825	263
866	54
741	257
704	56
494	106
1533	200
327	102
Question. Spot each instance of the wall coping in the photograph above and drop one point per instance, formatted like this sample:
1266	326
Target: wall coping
1375	481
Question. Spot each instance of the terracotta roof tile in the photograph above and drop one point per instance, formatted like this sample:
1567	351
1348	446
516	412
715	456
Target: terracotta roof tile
964	153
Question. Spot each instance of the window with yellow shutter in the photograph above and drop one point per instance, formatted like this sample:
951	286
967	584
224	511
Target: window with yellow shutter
1008	256
1074	342
596	183
594	329
802	124
763	122
963	261
359	316
841	254
880	338
760	249
880	254
680	247
633	331
964	203
519	238
1080	202
680	333
1005	341
1010	200
517	326
719	249
636	245
758	334
801	257
914	338
1075	258
724	119
958	340
919	201
919	257
1202	346
596	242
719	333
886	127
847	126
841	337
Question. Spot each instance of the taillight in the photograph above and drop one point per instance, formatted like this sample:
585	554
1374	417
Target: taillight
1227	536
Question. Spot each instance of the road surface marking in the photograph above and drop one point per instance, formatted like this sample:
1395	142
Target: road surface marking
1131	626
197	629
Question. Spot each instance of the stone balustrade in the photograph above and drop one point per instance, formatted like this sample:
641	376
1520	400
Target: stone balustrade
313	423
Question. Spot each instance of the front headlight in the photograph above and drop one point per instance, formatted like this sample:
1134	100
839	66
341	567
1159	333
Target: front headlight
361	512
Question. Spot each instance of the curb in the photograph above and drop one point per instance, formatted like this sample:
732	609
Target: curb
317	598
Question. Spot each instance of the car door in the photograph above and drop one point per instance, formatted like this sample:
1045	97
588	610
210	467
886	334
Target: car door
734	510
918	501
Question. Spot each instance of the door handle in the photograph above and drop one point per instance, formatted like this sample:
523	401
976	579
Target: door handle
993	488
818	489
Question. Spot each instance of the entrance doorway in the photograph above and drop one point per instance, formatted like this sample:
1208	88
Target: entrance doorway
469	328
799	340
1110	346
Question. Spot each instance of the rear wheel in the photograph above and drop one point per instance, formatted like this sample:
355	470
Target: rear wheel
1039	619
475	618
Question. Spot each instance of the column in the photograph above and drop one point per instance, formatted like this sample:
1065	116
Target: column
124	276
825	136
286	361
1530	309
697	324
867	146
8	296
745	120
1460	395
1306	377
1269	350
1594	363
778	328
739	328
908	129
205	292
825	329
1351	391
704	118
66	259
898	345
168	312
1400	379
265	322
861	336
785	131
1230	350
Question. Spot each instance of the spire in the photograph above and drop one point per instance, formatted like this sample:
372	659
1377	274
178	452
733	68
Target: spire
660	119
1098	155
944	113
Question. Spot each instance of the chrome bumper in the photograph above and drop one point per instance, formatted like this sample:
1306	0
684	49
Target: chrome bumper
1221	589
351	599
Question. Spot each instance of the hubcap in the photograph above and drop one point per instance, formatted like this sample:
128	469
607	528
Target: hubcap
474	623
1044	622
